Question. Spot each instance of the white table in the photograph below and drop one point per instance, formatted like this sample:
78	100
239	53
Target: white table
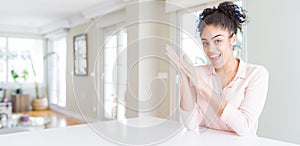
137	131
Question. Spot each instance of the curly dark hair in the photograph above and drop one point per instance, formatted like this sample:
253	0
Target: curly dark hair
227	15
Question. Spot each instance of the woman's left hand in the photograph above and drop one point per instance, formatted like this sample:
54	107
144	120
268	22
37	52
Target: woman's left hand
192	72
184	67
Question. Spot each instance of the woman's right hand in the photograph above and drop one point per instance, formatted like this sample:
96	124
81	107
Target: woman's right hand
174	58
187	91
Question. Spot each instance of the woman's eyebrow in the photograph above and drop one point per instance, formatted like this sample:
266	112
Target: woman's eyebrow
217	36
212	37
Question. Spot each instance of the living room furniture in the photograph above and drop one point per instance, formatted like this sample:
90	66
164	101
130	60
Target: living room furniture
21	121
6	107
20	102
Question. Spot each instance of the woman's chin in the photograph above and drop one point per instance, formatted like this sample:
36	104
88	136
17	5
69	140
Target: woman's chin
218	65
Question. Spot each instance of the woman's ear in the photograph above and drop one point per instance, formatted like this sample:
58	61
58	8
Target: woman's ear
233	39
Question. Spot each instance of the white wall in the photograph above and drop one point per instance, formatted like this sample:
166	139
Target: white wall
81	94
273	40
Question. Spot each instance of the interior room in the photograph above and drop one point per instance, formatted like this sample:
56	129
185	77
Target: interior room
78	62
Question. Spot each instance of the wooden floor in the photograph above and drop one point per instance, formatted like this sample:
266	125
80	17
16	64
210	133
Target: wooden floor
56	119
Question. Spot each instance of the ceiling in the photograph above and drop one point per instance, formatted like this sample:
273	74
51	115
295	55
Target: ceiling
36	15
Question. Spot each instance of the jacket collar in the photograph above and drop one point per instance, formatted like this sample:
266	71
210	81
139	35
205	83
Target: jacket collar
241	69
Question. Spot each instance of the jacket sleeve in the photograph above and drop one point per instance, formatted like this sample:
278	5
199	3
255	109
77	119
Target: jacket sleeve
241	119
191	119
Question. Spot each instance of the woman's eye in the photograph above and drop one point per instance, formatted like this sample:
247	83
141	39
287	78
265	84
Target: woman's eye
205	44
218	41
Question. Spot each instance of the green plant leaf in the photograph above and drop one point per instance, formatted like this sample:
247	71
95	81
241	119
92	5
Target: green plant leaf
48	54
14	74
25	74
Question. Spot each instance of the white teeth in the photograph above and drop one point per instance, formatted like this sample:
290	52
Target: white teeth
214	56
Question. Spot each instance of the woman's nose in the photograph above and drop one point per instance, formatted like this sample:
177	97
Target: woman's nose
211	48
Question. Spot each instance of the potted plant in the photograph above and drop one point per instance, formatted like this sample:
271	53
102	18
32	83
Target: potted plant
19	100
39	102
15	76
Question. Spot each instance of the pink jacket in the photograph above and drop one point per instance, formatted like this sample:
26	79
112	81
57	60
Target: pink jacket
246	96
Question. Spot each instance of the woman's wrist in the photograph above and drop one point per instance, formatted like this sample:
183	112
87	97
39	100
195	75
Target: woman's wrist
222	107
215	100
205	90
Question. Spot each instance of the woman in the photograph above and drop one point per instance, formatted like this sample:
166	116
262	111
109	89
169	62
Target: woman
227	94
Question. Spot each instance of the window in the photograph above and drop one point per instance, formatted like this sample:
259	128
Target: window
189	41
115	72
3	64
57	71
16	54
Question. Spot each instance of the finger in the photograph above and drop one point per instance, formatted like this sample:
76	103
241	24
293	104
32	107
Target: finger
167	48
171	51
179	66
174	61
189	70
173	58
185	63
186	72
177	61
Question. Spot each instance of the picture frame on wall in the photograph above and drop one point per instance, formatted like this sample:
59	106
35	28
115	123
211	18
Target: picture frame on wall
80	55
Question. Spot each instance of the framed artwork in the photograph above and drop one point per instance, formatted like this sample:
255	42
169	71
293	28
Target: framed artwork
80	55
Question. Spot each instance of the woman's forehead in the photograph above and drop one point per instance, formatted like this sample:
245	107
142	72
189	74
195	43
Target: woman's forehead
211	31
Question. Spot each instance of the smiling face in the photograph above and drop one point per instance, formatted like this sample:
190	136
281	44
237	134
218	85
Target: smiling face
218	45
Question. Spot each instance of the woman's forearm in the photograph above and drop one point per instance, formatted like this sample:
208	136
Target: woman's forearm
187	95
213	98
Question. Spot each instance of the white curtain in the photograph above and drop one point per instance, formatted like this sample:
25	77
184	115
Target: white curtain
57	68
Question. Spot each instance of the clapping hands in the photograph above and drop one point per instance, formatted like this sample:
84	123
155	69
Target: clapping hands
184	66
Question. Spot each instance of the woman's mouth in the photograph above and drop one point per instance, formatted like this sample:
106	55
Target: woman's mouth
215	57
